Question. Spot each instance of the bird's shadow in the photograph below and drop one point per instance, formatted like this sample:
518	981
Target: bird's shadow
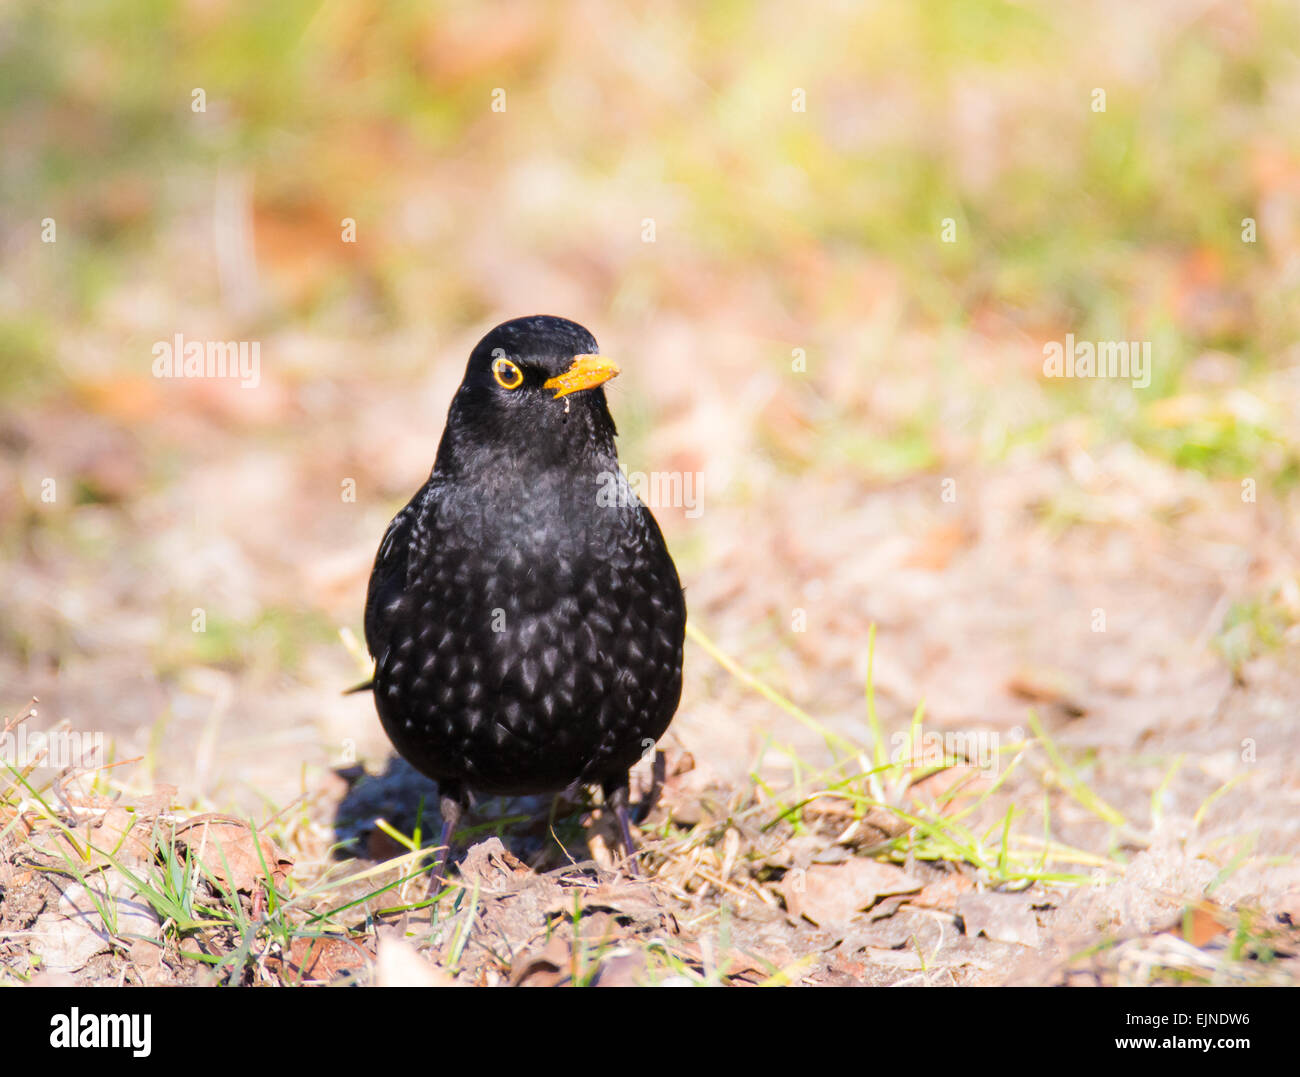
544	832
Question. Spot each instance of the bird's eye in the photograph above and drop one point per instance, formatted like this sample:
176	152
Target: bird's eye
508	375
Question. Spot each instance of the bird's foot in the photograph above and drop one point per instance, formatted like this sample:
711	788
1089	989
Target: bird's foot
452	805
616	797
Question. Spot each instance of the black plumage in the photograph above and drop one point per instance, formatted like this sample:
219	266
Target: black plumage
524	614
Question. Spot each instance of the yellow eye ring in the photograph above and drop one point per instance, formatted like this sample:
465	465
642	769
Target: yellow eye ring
508	375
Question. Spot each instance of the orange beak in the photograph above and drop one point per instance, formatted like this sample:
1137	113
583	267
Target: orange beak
587	372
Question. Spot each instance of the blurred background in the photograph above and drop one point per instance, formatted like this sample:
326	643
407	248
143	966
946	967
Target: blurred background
827	245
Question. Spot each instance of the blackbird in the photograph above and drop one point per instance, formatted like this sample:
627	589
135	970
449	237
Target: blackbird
524	614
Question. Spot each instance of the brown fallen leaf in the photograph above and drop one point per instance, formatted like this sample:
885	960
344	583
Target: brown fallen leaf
319	959
902	960
70	934
1204	924
157	802
623	970
678	761
735	966
1000	917
546	967
830	895
105	831
943	894
1043	685
493	867
938	546
635	900
886	907
125	835
146	957
226	848
397	964
875	827
65	944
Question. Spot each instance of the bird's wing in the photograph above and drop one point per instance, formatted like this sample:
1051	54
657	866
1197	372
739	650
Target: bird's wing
388	577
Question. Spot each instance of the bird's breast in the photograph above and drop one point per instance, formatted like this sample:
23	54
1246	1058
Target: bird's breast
539	637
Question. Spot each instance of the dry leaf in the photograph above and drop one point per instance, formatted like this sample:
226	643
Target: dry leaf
1044	685
830	895
73	932
493	867
398	965
319	959
902	960
938	546
734	965
125	835
65	944
623	970
1001	917
635	900
226	849
547	967
1206	923
943	894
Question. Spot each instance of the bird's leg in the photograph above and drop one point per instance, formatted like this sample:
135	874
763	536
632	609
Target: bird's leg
658	770
616	797
452	805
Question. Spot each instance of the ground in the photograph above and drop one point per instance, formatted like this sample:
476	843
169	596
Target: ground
1145	768
991	675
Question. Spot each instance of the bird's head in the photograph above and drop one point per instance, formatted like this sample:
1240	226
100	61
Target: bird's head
532	389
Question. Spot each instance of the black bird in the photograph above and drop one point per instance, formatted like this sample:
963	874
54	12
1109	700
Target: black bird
524	614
